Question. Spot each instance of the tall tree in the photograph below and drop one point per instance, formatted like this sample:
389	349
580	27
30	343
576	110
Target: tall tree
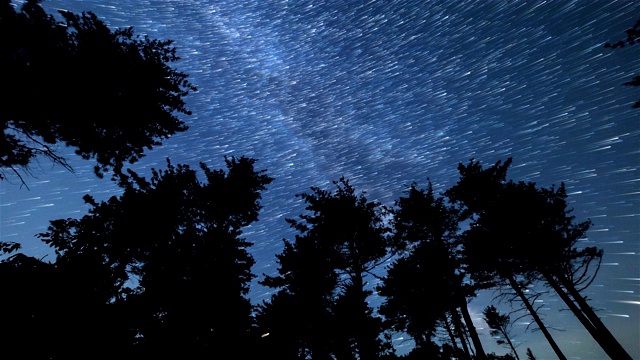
499	324
487	257
170	252
430	227
108	94
523	230
342	239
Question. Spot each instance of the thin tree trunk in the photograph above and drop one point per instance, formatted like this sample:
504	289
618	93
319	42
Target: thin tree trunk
605	339
536	318
472	330
466	338
454	344
588	325
513	348
457	324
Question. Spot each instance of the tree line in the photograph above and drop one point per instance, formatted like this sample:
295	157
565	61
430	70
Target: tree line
162	271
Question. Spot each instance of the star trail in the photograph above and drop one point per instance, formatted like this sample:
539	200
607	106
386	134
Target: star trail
386	93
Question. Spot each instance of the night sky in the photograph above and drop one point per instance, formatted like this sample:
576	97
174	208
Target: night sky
390	92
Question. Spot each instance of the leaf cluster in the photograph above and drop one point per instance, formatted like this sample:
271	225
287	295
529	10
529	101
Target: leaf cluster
169	252
633	38
110	95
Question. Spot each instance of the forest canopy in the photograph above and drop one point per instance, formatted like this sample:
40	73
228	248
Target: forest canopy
163	271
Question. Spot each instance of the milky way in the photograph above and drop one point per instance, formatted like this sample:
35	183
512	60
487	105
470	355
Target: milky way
390	92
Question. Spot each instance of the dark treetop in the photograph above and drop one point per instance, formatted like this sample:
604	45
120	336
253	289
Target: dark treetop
108	94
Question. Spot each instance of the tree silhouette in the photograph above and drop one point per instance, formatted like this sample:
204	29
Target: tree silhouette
430	227
342	238
530	355
522	230
169	252
298	322
523	293
490	258
494	230
493	356
499	324
108	94
7	247
48	316
633	37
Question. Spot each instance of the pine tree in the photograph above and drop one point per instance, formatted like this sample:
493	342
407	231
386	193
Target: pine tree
342	239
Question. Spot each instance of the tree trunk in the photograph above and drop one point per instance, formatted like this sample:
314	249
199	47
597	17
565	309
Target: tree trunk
514	284
457	324
454	344
576	311
513	348
596	328
472	330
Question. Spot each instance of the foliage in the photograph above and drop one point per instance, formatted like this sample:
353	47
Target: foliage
430	227
633	37
499	325
497	322
8	247
108	94
408	289
342	238
162	271
493	356
519	229
298	318
48	316
530	355
170	252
